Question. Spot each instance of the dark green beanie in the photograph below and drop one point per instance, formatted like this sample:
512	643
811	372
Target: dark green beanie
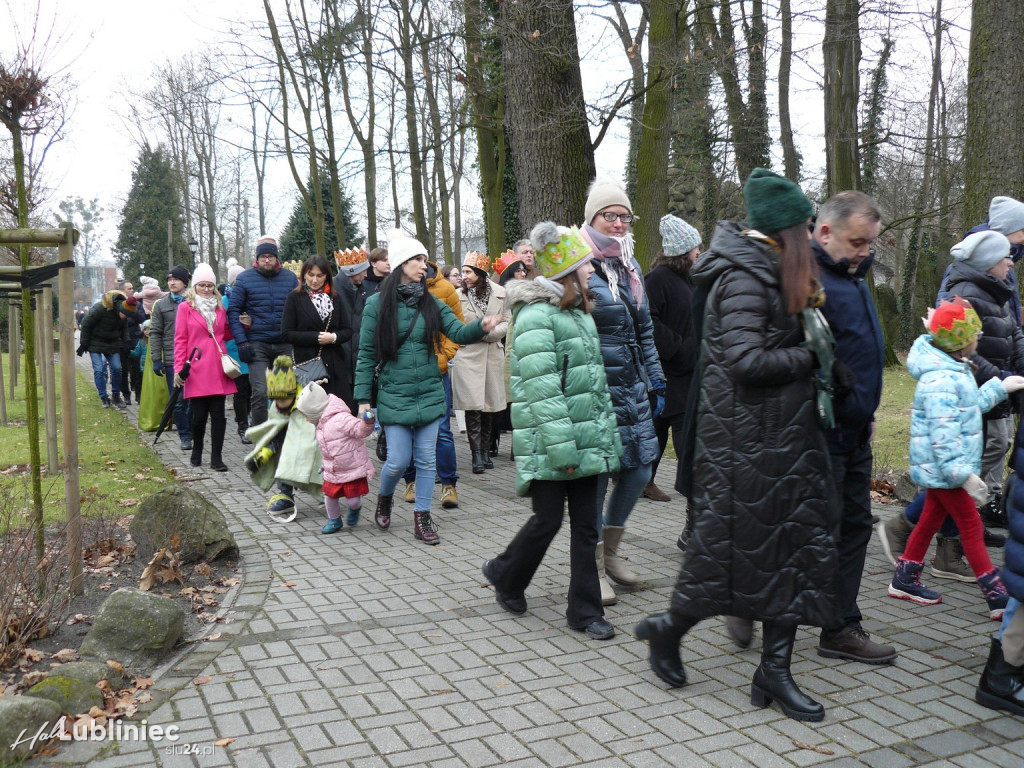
774	203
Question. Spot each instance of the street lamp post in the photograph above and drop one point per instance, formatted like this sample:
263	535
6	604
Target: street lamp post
193	246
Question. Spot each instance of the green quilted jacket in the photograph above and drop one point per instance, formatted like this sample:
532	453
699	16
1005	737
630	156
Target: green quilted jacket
410	391
562	415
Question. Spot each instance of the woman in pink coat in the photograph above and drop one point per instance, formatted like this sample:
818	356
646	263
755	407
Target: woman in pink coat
202	322
342	439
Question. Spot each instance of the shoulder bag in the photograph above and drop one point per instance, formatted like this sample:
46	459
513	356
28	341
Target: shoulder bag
227	362
314	368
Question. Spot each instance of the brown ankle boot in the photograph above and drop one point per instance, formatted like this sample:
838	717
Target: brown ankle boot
382	516
425	530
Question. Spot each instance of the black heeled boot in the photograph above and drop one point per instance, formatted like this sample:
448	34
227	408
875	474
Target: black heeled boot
773	681
1002	684
663	632
486	423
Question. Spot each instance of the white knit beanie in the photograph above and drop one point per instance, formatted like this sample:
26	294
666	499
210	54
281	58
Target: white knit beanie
402	247
603	193
982	250
312	402
145	280
1006	215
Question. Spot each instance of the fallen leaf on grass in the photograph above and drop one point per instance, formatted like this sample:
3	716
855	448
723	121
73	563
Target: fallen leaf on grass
128	502
202	680
111	463
165	566
222	742
819	750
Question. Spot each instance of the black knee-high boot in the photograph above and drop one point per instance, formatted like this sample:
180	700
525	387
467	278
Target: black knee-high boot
473	429
486	423
664	632
773	681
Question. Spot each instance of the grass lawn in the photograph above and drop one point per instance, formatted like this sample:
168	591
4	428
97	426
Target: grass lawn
117	468
892	422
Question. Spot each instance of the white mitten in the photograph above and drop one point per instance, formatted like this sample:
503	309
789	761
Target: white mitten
1013	383
976	488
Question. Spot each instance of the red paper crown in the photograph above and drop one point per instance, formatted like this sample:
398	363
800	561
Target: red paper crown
505	261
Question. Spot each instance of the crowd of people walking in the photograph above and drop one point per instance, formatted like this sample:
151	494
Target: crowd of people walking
761	357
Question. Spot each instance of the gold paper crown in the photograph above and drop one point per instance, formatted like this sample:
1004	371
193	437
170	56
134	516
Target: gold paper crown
350	257
294	266
478	260
504	261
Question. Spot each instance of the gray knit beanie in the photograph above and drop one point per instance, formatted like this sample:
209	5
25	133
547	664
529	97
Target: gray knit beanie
982	250
677	237
1006	215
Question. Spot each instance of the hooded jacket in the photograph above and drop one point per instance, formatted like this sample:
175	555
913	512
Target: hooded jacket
763	501
1013	570
104	329
851	314
410	391
1001	347
631	364
561	410
945	422
342	440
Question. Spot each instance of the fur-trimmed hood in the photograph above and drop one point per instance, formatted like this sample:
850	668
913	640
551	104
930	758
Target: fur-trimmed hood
110	298
529	292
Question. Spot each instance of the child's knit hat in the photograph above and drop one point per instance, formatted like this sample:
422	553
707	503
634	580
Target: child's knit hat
312	402
953	325
281	380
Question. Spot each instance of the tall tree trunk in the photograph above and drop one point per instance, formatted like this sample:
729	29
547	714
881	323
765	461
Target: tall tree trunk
994	154
790	158
652	155
908	313
841	50
437	144
551	145
873	123
412	129
488	121
632	45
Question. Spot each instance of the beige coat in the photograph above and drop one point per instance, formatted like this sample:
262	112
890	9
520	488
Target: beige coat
478	378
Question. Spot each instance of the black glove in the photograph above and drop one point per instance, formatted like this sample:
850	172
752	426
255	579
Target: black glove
80	351
245	352
158	368
844	380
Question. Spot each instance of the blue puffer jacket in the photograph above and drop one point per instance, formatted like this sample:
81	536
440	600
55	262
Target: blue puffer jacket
945	422
263	298
851	314
1013	570
630	363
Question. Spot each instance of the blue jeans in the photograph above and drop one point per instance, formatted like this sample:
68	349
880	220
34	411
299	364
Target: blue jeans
445	455
1011	608
411	443
913	512
181	415
99	372
624	496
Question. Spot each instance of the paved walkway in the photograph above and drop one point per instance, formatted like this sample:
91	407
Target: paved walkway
389	653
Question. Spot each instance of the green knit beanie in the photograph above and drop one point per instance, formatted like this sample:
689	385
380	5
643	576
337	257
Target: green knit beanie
774	202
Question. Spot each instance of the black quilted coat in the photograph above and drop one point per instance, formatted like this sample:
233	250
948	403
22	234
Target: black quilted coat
763	498
1001	346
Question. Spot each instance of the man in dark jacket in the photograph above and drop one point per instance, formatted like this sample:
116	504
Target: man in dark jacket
161	345
847	225
104	331
131	370
260	293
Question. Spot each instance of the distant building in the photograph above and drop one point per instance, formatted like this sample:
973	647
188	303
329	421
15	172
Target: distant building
91	283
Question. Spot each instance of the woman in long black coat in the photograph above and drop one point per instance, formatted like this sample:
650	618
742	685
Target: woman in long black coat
762	494
315	323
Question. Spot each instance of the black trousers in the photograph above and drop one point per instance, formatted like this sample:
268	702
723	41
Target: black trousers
661	429
515	567
240	401
852	474
131	374
209	408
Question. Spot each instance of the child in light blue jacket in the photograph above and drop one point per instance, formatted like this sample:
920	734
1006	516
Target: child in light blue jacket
945	449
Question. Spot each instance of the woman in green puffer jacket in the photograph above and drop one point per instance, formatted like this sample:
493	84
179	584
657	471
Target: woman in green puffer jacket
565	433
402	328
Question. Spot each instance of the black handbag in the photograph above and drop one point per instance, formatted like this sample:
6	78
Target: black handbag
382	445
313	369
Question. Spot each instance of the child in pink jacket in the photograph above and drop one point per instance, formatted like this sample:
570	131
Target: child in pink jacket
342	438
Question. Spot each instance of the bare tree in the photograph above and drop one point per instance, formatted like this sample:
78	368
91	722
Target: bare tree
842	93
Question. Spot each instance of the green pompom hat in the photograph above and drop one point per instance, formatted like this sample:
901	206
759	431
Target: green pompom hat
774	203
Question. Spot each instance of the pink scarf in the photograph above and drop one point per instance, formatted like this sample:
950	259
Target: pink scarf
616	253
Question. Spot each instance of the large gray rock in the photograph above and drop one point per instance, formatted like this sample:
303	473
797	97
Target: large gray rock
179	511
21	718
72	696
135	628
90	671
